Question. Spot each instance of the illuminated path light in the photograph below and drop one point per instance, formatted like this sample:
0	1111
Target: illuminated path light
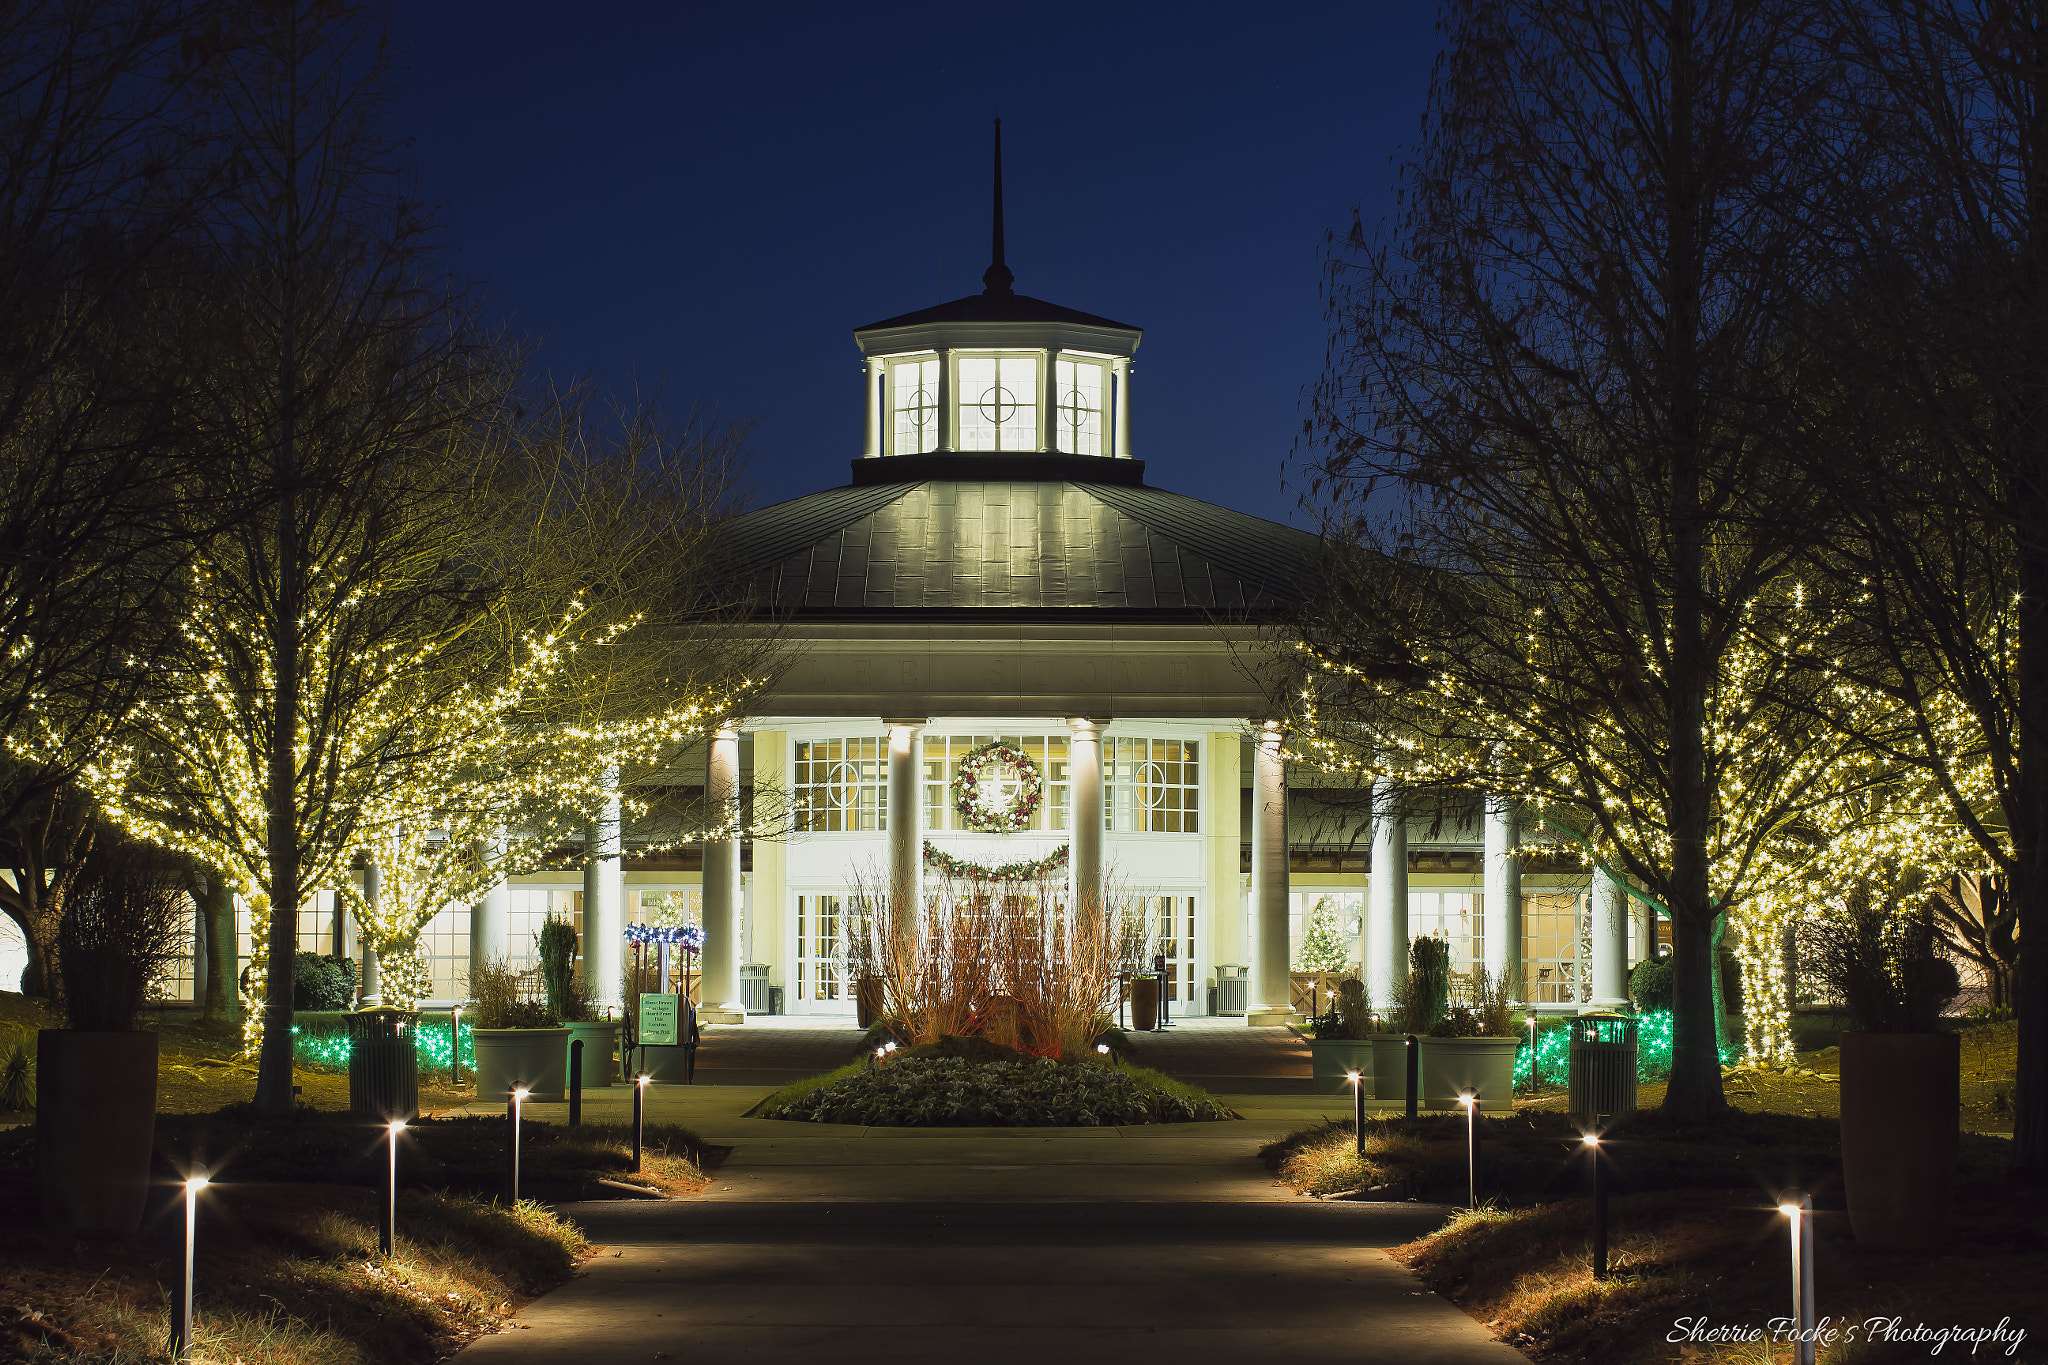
1599	1160
181	1324
1798	1207
389	1237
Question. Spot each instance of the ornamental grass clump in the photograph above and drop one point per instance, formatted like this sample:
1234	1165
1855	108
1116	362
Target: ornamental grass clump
1882	965
1039	1092
125	921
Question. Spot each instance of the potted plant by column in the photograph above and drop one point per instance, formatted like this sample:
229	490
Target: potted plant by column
555	945
1420	999
1901	1073
858	953
518	1042
96	1079
1341	1041
1471	1050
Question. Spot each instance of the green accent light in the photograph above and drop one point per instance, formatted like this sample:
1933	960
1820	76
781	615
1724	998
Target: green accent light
329	1048
1554	1044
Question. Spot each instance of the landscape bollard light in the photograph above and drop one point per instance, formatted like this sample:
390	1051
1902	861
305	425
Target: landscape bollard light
639	1115
1414	1074
575	1081
1798	1206
455	1046
181	1317
512	1108
1358	1112
389	1238
1470	1100
1592	1141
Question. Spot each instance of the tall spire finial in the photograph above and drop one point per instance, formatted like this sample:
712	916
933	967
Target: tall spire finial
997	279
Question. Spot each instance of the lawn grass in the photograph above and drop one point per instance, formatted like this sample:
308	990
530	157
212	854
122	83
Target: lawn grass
286	1275
200	1068
1693	1231
796	1090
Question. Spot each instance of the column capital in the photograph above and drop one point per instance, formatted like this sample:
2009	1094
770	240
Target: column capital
1080	724
906	722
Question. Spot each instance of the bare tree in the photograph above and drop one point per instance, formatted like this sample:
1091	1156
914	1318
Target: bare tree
1945	321
1566	382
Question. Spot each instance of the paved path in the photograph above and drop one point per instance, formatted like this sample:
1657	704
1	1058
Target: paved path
1049	1246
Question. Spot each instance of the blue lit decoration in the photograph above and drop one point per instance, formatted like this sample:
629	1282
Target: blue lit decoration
689	937
1553	1051
327	1046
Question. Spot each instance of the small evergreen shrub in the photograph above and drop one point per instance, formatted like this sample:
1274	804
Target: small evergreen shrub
1649	985
322	983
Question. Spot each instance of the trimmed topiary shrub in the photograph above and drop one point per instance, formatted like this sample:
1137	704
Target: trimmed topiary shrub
323	983
1649	985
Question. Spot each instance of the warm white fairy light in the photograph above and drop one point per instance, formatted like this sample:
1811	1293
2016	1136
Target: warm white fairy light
1819	782
425	766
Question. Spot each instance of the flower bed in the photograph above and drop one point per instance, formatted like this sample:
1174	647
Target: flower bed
954	1092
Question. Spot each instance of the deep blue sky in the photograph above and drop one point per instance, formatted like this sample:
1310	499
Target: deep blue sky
710	197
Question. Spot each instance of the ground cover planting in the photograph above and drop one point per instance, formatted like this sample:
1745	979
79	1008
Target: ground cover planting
955	1091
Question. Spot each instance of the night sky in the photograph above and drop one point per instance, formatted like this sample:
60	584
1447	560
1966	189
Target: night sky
707	199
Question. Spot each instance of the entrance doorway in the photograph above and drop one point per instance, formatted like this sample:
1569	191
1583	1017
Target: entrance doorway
1170	928
821	983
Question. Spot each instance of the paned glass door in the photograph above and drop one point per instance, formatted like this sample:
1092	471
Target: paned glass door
1170	925
821	983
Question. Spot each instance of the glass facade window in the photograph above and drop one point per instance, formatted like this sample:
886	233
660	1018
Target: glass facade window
913	406
1454	917
942	755
1550	949
1151	786
999	402
840	785
1078	389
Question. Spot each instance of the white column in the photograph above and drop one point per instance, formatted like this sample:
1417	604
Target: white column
1084	793
873	443
604	905
1386	899
1272	995
1503	897
1123	409
370	984
1048	437
490	919
906	827
1646	930
722	881
1610	942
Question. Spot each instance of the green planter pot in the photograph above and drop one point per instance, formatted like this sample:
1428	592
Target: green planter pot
1484	1066
1389	1066
1332	1060
600	1052
536	1058
95	1125
1900	1097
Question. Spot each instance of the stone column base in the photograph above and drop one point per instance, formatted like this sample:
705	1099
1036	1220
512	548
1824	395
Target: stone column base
1271	1018
714	1014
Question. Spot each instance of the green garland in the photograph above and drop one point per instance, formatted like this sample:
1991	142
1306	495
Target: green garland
945	862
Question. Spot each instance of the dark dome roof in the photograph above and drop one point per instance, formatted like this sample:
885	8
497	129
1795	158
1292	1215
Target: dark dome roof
998	308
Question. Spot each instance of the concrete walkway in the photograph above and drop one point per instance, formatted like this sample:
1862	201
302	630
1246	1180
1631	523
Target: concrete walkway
1063	1246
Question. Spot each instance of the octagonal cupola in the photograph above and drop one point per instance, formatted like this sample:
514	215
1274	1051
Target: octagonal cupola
998	374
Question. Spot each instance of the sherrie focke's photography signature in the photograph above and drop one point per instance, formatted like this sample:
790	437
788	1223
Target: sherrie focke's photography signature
2004	1338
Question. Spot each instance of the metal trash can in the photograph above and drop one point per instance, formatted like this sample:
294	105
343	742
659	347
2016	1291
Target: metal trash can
383	1065
1233	987
754	988
1602	1065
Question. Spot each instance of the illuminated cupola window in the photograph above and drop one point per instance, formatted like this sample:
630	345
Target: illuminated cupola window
998	373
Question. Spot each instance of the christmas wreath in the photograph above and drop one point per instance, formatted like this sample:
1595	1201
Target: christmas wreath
997	765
